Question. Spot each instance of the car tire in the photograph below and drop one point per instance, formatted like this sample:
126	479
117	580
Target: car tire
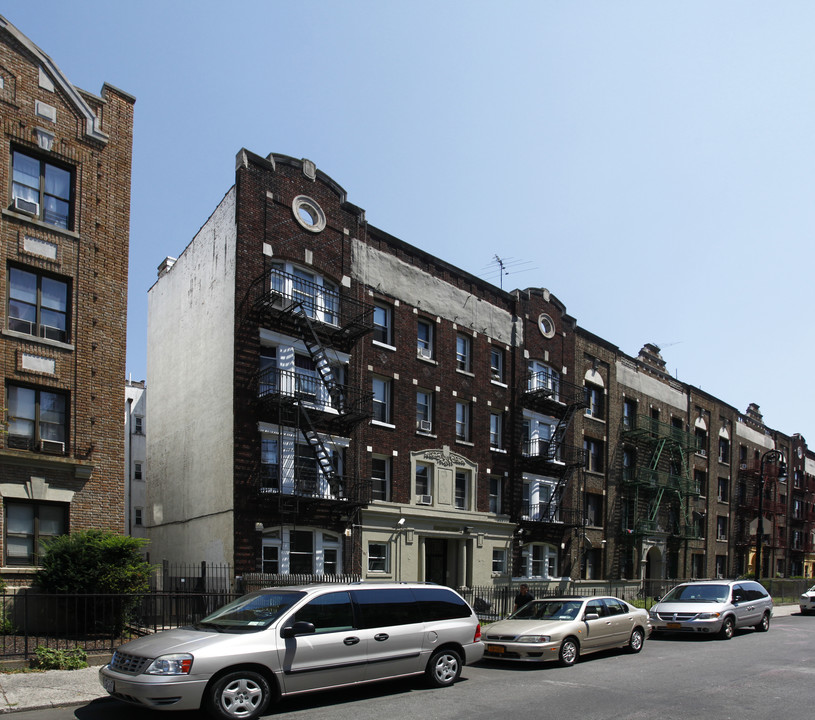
728	628
444	668
637	639
764	625
238	695
569	652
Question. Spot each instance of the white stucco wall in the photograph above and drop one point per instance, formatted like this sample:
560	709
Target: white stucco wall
651	387
760	439
135	452
190	329
430	294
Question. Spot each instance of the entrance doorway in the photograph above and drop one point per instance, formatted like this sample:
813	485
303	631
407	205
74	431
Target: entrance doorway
435	561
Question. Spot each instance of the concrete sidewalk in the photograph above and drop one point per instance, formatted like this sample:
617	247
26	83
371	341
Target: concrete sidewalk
57	688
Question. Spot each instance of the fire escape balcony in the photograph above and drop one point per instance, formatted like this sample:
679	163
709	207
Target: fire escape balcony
549	513
305	482
282	393
650	430
549	458
644	477
544	393
279	300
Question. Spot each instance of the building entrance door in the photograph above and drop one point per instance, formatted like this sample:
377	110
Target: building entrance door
435	561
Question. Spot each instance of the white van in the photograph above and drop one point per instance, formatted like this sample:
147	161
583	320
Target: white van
290	640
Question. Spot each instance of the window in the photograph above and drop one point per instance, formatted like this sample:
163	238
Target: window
700	480
37	419
724	489
721	528
497	364
539	502
698	566
541	561
379	557
701	440
593	512
381	477
269	463
28	525
382	400
138	425
499	560
724	450
542	377
464	351
537	436
270	561
721	566
383	324
629	464
301	558
629	414
37	305
424	411
462	422
594	454
462	490
496	486
424	339
137	473
592	563
318	297
41	189
496	431
596	398
424	483
138	518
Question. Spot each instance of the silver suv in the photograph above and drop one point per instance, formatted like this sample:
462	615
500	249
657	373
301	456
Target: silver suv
286	641
713	606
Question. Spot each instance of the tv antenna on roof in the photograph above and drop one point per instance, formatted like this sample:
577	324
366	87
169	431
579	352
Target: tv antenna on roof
507	266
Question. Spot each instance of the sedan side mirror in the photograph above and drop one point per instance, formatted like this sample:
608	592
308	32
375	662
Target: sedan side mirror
591	616
299	628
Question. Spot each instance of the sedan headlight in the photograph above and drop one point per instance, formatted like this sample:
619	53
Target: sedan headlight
532	638
707	616
180	664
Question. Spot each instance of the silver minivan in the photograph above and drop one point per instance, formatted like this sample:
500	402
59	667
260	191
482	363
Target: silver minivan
713	606
291	640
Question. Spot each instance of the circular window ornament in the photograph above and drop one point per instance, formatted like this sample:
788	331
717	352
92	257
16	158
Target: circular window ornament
308	213
546	325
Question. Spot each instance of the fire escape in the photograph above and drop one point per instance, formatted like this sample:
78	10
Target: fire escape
310	402
773	541
657	485
547	394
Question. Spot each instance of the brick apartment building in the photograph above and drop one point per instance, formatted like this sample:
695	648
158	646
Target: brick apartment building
64	231
326	398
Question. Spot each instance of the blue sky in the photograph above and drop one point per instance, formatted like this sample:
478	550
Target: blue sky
650	163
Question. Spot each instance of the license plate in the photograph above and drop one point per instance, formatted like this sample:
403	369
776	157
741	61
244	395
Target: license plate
499	649
108	684
674	626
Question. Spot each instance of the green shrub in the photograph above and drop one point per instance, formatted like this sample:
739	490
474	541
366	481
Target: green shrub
50	659
94	561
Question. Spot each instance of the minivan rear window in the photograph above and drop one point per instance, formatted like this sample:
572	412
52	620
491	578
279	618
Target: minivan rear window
441	604
381	607
699	593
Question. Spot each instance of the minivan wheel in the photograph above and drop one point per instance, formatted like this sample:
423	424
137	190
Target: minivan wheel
239	695
569	652
764	625
444	668
635	643
728	628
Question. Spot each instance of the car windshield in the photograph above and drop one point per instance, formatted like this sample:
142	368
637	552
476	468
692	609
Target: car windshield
698	594
251	612
548	610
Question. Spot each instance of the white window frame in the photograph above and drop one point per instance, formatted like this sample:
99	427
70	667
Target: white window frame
541	560
543	376
496	486
383	400
322	540
463	421
429	481
424	410
496	430
497	365
537	434
462	488
379	551
499	561
385	480
320	296
464	353
383	328
537	493
424	346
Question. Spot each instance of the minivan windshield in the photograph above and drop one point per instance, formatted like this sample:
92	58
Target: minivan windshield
548	610
251	612
698	594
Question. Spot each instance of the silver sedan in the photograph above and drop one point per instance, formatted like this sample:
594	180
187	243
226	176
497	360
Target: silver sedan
564	628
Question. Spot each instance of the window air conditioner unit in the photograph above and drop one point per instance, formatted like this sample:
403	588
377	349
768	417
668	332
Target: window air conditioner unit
425	425
423	352
52	446
425	499
722	538
26	206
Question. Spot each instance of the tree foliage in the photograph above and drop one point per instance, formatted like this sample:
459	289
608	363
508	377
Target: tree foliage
94	561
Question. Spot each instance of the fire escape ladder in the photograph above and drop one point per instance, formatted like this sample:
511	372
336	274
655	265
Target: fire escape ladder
556	496
562	425
653	510
320	452
317	351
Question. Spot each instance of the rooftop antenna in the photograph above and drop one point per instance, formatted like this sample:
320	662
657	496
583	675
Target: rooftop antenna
507	265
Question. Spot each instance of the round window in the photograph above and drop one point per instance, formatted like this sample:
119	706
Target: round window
308	213
546	325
